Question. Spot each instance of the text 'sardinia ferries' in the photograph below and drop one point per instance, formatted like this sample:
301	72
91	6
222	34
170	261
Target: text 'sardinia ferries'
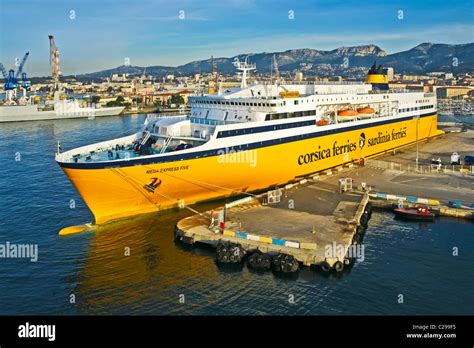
246	139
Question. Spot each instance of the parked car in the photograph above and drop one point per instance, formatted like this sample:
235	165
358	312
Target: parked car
469	160
436	163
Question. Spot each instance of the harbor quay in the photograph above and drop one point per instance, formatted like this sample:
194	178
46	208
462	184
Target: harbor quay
310	221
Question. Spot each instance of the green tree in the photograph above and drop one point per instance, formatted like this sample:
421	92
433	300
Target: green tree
95	99
119	101
177	99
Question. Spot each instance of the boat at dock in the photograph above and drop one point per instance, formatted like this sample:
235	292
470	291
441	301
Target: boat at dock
420	214
244	139
56	110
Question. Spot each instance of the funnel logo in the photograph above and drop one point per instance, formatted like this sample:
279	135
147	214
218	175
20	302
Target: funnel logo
155	182
362	140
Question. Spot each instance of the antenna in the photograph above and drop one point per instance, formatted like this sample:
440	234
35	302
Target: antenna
244	66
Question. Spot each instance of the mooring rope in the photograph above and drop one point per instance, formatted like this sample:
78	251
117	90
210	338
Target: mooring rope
206	183
129	178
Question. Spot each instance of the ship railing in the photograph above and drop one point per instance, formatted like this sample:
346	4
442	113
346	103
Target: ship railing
314	83
210	122
67	156
158	117
150	119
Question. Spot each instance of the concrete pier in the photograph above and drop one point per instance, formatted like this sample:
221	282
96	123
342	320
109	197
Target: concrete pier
307	220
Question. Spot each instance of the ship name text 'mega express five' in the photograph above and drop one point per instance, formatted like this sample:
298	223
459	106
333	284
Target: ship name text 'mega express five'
244	139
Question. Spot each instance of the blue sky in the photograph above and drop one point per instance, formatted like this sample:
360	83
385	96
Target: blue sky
149	32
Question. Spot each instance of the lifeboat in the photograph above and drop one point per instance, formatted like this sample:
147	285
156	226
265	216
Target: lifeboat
365	112
322	122
347	115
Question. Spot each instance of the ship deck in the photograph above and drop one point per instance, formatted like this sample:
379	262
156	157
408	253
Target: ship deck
108	154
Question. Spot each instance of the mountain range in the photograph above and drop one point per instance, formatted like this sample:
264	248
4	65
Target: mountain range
345	61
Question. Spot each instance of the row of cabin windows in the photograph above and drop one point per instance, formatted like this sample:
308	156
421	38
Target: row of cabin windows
283	115
208	102
341	99
244	131
416	108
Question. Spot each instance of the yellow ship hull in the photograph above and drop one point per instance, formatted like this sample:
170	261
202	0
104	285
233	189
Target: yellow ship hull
115	193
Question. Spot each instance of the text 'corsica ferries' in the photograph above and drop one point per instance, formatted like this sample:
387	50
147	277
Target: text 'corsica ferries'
245	139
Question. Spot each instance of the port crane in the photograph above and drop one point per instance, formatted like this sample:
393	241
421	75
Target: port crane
11	80
54	62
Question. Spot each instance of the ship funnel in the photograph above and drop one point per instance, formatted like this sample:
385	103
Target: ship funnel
378	78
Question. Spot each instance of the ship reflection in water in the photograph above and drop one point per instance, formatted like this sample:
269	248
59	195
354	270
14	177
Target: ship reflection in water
159	275
400	257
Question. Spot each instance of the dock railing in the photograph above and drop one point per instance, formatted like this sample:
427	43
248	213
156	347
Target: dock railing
421	169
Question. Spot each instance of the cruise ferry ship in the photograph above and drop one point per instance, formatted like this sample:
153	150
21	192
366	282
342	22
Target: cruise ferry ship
244	139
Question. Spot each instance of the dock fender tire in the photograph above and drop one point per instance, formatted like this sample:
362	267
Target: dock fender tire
229	252
222	251
368	209
356	239
259	260
176	233
236	253
291	264
285	263
276	262
338	266
364	219
348	261
325	266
